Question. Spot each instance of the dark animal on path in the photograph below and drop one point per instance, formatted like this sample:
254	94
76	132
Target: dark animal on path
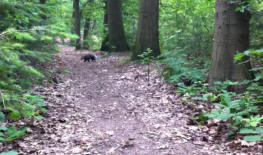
88	57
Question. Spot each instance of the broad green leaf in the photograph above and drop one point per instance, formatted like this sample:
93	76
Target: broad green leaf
259	130
13	133
3	128
9	153
2	117
254	138
247	131
14	115
46	38
25	36
39	117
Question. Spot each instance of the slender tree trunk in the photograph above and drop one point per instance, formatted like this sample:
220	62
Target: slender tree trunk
148	29
231	36
117	37
86	29
43	16
77	20
94	24
42	1
105	42
72	29
86	33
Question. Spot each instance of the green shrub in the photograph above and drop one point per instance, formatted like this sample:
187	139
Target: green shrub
242	111
26	43
178	68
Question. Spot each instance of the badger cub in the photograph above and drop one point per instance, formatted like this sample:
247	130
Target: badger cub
88	57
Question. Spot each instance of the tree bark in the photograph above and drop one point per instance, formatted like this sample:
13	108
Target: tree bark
42	1
86	29
117	37
86	33
148	29
105	42
231	36
43	16
77	20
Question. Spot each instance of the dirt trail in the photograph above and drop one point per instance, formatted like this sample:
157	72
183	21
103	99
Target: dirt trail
107	109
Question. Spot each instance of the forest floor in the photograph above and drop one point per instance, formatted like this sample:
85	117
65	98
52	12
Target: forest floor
105	108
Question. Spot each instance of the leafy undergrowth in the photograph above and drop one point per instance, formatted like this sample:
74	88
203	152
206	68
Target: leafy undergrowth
19	115
27	43
22	66
18	73
103	107
234	118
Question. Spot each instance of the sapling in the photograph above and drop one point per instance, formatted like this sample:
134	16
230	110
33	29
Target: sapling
146	59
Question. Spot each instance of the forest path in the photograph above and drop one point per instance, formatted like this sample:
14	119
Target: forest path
107	109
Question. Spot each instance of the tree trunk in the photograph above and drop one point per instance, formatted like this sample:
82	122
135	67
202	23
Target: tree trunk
231	36
86	29
105	42
77	20
117	37
43	16
148	28
42	1
86	33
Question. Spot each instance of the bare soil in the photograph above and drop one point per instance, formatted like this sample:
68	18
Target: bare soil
109	109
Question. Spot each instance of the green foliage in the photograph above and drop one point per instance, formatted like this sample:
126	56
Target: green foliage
130	19
187	25
28	34
252	135
11	133
18	56
234	111
197	91
146	59
124	61
9	153
186	35
186	30
256	21
253	129
253	121
187	90
2	117
255	87
95	12
241	111
179	68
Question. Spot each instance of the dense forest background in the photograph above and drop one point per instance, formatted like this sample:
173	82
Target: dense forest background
210	50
